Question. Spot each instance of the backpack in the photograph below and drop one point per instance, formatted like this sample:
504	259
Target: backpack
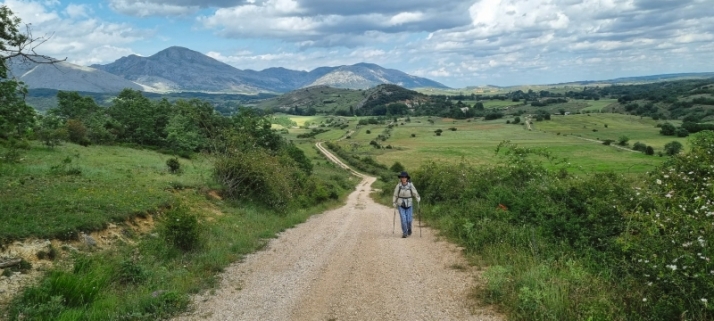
404	200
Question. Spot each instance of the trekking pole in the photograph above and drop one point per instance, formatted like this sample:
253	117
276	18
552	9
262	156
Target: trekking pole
419	218
394	220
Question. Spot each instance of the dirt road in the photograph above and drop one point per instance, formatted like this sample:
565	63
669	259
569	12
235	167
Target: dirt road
346	264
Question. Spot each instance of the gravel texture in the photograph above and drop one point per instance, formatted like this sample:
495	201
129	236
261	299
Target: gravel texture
347	264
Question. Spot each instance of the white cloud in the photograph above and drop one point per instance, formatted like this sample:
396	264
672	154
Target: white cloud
76	11
406	17
75	35
141	8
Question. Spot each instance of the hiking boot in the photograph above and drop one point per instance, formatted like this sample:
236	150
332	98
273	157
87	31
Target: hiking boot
409	232
404	236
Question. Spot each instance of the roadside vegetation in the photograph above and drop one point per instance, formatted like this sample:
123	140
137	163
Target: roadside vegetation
562	246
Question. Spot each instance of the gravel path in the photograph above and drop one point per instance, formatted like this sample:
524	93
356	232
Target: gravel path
347	264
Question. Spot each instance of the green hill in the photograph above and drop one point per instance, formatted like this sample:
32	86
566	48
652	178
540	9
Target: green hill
324	99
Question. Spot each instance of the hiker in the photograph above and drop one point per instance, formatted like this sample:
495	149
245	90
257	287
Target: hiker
402	199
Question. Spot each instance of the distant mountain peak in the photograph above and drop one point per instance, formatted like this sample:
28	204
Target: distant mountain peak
181	69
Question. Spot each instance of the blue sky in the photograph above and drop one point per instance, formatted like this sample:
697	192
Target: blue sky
458	43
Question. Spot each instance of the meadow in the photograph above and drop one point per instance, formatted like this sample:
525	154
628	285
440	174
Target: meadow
55	193
415	143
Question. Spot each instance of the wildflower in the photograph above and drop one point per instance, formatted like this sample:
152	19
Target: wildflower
704	300
672	267
659	182
644	299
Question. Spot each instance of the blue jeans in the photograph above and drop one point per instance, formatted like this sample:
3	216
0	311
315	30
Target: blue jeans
405	214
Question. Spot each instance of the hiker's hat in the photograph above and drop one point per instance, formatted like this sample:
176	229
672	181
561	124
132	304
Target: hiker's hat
404	174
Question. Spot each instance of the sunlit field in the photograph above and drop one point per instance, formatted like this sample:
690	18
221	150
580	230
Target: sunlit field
475	141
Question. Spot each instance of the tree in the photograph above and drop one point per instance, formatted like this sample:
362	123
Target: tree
673	148
16	117
622	141
71	105
668	129
141	120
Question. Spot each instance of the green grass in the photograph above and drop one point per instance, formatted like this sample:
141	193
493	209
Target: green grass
475	142
129	181
598	105
115	184
492	104
636	128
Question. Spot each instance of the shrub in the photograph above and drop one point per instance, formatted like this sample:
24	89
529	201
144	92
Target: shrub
76	131
413	135
622	141
397	167
130	272
64	168
174	165
682	132
667	129
649	150
256	175
672	148
180	228
670	235
639	147
453	129
368	131
607	142
438	132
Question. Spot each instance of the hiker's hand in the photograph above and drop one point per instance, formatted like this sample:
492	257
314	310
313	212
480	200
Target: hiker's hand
395	204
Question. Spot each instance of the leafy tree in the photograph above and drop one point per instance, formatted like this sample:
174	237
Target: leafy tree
672	148
50	131
16	117
72	105
668	129
140	121
622	141
682	132
183	135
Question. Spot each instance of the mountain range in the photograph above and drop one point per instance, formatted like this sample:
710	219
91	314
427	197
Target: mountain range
178	69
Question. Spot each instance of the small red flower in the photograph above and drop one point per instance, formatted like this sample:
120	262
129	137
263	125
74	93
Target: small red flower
502	207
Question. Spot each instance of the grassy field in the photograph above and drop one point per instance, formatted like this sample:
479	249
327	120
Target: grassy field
598	105
54	193
475	141
58	193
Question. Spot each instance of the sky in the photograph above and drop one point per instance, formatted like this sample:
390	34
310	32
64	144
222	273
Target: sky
458	43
